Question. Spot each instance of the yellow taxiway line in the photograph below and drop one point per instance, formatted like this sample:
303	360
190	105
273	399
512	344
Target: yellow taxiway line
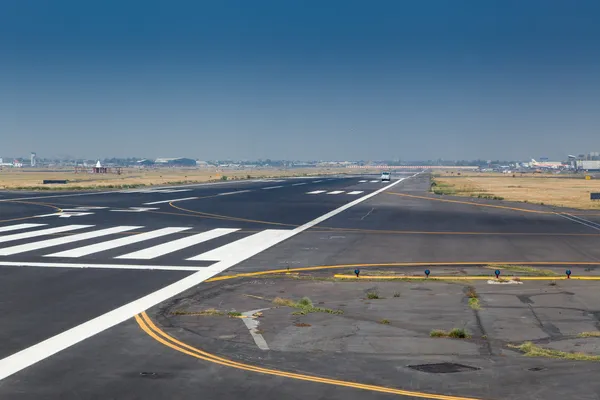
466	278
162	337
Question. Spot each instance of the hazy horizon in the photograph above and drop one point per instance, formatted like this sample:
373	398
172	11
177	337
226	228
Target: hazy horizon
300	80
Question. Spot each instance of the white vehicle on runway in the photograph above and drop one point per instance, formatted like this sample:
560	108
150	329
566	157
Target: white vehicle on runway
386	176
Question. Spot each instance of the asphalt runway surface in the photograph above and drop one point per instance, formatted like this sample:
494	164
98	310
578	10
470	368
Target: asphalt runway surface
76	267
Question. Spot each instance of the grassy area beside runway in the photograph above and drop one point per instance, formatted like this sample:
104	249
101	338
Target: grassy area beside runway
21	179
535	189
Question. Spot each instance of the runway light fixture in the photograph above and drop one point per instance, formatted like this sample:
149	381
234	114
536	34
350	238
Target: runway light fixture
497	272
357	272
427	272
568	272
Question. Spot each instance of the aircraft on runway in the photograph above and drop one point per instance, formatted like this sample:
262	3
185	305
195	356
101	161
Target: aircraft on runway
547	164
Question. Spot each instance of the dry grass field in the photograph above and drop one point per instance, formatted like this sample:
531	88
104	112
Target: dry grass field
564	191
28	179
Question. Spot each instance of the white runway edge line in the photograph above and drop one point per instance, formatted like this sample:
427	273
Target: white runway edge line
170	201
99	266
38	352
582	221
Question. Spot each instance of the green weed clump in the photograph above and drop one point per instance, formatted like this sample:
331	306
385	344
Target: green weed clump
304	306
531	350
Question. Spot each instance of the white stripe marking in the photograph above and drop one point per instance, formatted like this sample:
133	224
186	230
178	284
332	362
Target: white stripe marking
137	209
19	226
49	231
38	352
317	181
362	181
317	192
99	266
271	187
336	192
228	193
239	246
22	248
298	184
170	201
375	181
171	190
175	245
252	325
582	221
113	244
356	192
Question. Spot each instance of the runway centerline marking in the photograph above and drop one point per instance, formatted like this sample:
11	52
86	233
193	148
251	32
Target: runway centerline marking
272	187
236	192
42	350
170	201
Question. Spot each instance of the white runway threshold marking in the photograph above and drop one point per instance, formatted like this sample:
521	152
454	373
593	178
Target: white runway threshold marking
113	244
356	192
239	246
175	245
22	248
336	192
19	226
49	231
317	192
38	352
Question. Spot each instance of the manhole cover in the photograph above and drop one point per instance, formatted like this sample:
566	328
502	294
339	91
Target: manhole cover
443	368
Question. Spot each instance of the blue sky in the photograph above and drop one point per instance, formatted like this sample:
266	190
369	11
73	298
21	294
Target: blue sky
300	79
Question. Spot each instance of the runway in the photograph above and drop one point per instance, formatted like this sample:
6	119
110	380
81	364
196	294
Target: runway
77	267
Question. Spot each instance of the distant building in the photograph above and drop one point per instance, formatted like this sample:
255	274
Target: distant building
176	162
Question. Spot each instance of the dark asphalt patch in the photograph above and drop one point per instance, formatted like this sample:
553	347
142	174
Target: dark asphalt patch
443	368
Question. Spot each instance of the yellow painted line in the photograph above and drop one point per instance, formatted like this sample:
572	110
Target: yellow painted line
403	264
153	331
473	204
30	203
231	218
466	278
